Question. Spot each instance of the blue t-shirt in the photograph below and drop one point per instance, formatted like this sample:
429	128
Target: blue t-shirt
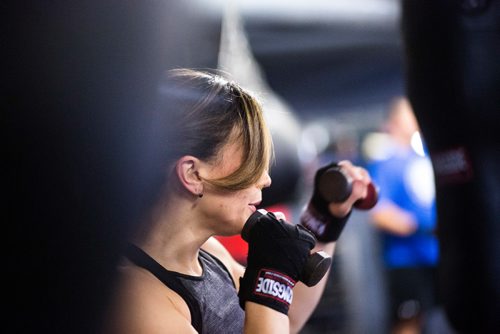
406	179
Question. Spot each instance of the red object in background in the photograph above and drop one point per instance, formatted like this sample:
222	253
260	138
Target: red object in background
239	247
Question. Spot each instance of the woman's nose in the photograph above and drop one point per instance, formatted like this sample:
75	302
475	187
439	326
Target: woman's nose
265	180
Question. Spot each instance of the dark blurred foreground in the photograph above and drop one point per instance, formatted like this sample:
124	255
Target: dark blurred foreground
78	88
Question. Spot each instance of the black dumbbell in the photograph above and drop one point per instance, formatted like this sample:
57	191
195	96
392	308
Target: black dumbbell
336	186
317	264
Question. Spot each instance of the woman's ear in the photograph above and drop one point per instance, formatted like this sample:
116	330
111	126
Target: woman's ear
187	170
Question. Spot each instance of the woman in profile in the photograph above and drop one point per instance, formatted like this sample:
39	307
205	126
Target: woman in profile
175	276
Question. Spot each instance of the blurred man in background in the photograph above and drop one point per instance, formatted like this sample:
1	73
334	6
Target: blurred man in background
406	216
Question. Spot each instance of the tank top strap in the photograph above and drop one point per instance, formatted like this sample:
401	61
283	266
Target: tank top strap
142	259
209	257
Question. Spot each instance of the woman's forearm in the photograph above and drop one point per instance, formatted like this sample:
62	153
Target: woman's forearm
305	299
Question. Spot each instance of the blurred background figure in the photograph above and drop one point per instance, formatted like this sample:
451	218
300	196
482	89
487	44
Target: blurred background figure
406	216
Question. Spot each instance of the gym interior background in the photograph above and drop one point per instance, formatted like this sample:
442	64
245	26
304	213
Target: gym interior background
78	85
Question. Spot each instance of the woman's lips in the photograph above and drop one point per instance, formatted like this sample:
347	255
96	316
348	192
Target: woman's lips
254	205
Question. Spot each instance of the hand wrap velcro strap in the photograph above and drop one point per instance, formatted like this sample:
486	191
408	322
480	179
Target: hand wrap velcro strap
267	287
277	253
325	227
317	217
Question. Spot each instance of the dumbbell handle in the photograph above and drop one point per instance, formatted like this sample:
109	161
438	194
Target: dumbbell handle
317	264
336	186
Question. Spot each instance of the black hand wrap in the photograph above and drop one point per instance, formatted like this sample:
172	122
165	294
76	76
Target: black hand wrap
317	218
277	253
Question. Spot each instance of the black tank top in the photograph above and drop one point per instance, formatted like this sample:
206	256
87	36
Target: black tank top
212	298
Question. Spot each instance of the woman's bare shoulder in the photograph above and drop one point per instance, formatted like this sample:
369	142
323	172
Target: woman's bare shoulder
143	304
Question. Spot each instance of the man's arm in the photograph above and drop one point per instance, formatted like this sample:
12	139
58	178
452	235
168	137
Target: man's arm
392	219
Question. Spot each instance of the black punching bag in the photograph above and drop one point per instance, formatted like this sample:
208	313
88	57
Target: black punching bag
453	82
83	152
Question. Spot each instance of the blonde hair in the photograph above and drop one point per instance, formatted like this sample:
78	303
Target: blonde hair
204	111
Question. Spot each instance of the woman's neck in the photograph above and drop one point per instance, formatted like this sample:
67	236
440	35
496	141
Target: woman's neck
173	237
